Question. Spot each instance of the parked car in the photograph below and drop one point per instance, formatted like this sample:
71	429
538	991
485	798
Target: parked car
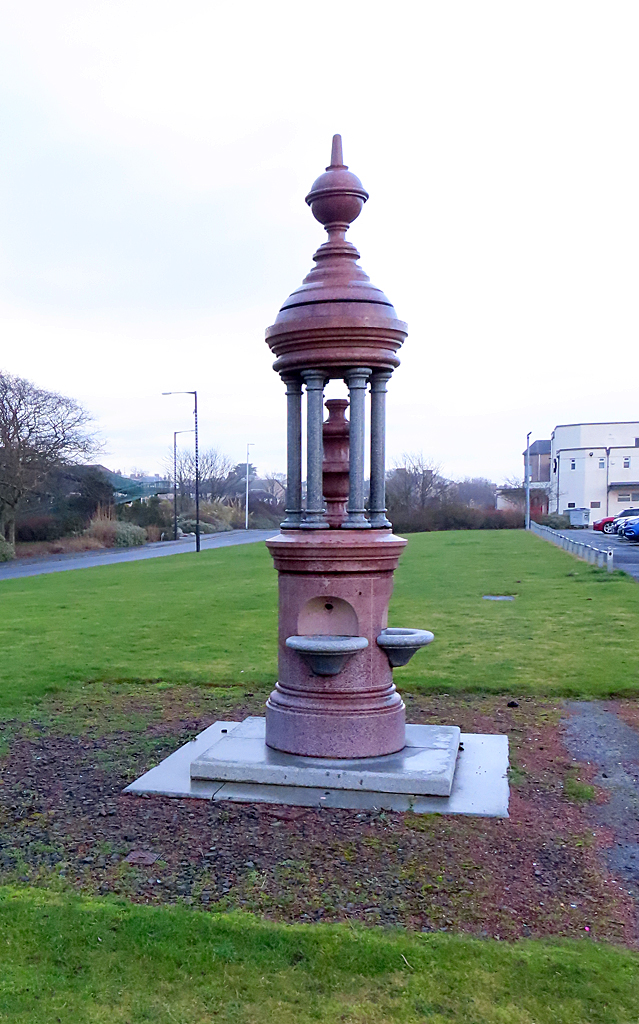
604	525
621	517
630	529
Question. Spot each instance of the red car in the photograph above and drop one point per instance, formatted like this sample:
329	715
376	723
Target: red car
604	525
610	523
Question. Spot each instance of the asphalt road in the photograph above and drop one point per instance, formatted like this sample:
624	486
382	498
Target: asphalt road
85	560
626	552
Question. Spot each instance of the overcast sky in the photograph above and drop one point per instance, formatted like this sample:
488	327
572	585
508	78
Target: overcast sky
156	156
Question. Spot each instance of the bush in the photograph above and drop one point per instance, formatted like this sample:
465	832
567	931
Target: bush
7	552
455	517
128	535
113	533
189	526
103	528
43	527
151	512
555	521
223	515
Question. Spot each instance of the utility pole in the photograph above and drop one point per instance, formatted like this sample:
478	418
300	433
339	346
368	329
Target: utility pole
246	508
175	517
197	466
528	479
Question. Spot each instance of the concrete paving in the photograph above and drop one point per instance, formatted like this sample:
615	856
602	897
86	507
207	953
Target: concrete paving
426	765
20	567
626	552
480	783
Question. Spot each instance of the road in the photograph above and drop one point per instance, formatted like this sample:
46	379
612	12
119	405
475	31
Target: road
626	552
87	559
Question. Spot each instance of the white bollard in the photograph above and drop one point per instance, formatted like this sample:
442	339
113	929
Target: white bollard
610	560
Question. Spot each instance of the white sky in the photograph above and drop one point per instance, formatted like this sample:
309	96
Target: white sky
156	158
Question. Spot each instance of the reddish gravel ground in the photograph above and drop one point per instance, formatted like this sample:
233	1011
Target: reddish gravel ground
64	823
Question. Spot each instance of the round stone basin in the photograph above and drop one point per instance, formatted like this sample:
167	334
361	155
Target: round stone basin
326	655
400	645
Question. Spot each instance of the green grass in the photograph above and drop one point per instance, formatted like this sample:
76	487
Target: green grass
211	619
73	960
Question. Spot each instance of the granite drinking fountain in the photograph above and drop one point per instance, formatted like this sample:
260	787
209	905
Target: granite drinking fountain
334	731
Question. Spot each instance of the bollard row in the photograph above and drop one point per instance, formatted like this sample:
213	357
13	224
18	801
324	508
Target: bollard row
587	552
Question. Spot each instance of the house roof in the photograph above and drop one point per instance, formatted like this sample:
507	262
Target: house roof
539	448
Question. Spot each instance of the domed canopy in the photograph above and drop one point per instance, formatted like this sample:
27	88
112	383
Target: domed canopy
336	318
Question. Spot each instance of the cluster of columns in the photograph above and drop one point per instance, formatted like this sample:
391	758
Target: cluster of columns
313	516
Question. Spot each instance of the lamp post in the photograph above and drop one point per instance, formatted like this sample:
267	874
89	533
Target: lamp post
197	465
175	434
250	444
528	479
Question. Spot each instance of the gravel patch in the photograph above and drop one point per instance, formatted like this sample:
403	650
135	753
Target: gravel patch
597	734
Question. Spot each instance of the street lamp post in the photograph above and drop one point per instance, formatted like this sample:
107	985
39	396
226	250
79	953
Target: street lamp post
197	464
175	434
246	508
528	479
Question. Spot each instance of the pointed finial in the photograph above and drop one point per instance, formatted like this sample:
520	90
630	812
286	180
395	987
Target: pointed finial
337	159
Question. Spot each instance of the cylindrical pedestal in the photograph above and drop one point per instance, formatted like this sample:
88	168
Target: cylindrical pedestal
335	583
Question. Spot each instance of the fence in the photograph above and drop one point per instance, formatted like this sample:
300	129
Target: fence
575	547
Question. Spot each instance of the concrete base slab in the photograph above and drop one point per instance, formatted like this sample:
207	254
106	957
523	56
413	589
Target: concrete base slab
480	782
424	766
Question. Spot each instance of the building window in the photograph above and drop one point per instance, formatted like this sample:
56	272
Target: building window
573	464
602	463
623	497
636	442
635	495
571	504
626	463
595	504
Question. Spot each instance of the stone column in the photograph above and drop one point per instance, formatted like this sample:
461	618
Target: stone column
293	453
315	518
357	380
377	503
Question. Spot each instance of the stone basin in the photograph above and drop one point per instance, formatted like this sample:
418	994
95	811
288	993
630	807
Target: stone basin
326	655
400	645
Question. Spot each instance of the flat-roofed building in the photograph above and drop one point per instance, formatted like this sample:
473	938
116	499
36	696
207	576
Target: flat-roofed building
594	466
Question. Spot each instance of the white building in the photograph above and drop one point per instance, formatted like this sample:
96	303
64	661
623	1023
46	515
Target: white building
594	466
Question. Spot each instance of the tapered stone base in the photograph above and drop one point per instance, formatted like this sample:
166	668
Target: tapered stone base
335	583
335	731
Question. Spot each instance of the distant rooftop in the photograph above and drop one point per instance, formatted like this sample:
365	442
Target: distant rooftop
539	448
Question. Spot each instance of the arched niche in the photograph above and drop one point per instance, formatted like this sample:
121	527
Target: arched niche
327	616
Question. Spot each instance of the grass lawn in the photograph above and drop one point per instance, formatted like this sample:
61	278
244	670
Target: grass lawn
211	618
98	961
93	671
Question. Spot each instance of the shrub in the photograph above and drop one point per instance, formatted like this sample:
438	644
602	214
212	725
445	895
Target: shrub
222	515
555	521
128	535
153	534
103	528
7	551
151	512
189	526
43	527
455	517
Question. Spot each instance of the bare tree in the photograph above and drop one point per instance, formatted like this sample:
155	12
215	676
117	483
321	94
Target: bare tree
415	482
38	430
214	469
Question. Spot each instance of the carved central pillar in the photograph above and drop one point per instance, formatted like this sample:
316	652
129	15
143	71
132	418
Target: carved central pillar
357	380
